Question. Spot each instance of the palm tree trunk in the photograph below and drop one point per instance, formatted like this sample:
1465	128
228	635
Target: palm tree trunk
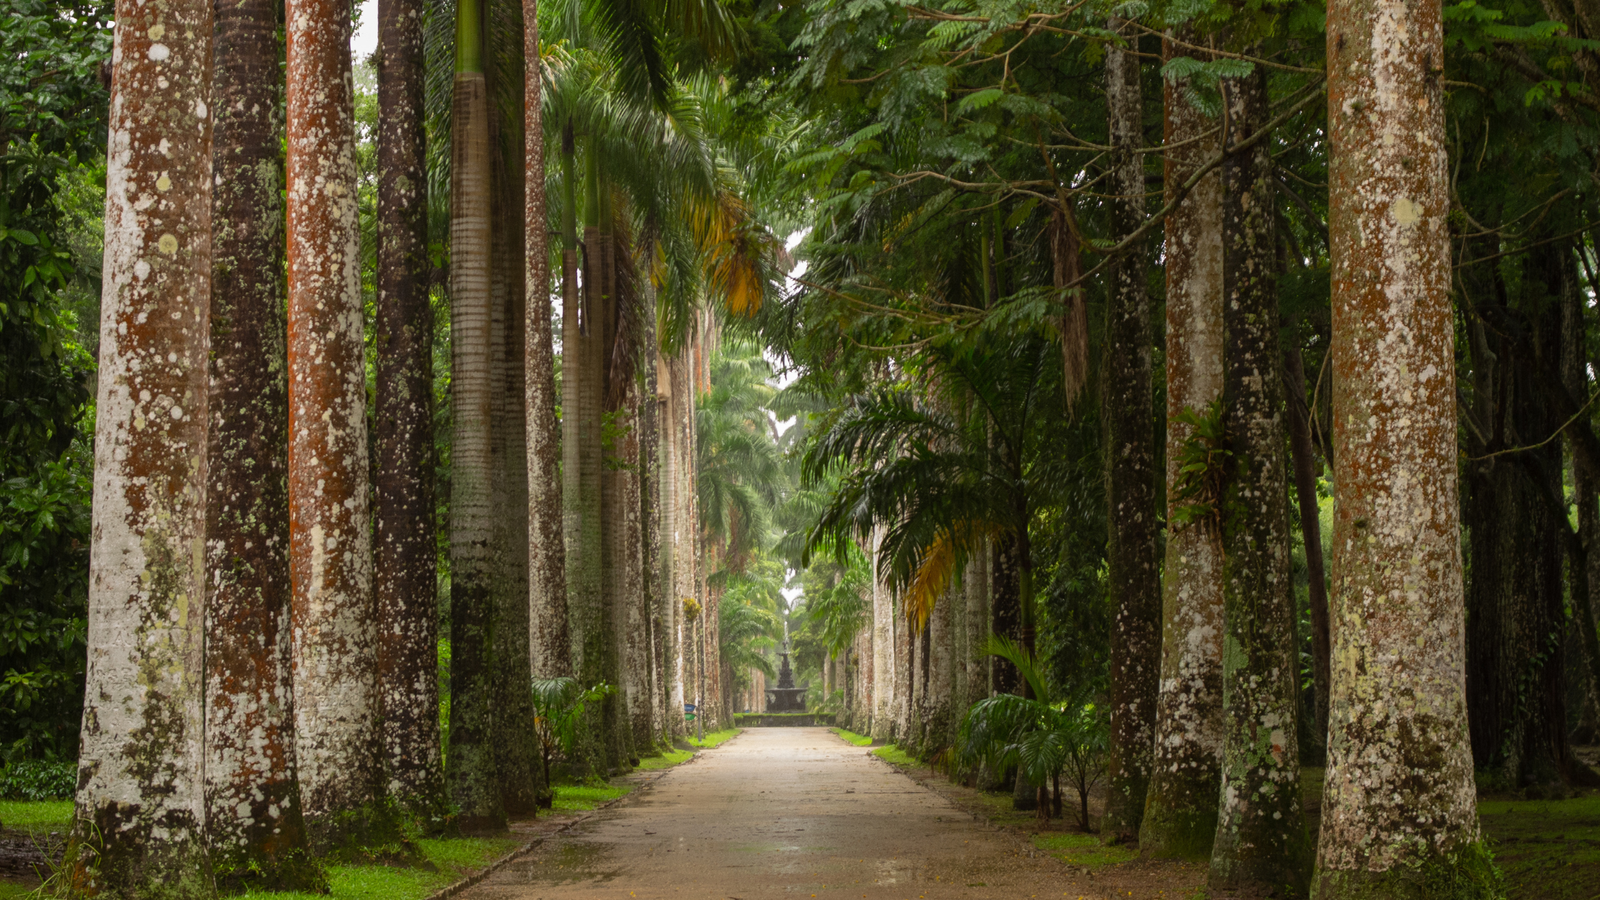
1131	558
473	779
335	656
405	557
883	648
516	767
1396	812
549	644
978	587
671	599
139	825
1180	813
250	753
936	700
650	528
1261	838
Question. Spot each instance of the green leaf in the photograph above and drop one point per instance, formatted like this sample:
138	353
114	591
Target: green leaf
979	100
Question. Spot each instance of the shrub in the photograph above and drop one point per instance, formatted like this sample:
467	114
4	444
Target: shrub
38	779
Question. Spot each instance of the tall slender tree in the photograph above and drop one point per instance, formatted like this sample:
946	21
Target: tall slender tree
405	576
337	704
1180	815
472	771
1132	575
139	823
549	644
1399	810
1261	837
254	821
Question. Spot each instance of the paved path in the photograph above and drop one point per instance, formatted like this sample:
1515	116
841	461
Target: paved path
781	812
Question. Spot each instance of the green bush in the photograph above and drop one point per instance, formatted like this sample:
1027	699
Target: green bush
37	779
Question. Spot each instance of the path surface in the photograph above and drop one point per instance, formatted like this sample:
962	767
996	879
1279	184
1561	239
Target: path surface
781	812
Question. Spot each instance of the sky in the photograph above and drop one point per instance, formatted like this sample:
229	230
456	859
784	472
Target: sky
365	41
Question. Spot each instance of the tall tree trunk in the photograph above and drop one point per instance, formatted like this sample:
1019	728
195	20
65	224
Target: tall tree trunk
549	644
1005	610
405	557
1305	484
1180	813
905	660
671	600
1261	840
472	770
1399	811
516	766
938	733
883	648
1515	507
600	238
335	656
1131	557
636	599
650	528
253	817
1581	563
139	825
978	588
580	448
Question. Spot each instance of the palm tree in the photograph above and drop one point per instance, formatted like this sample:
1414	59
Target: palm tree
257	833
139	825
337	703
1261	840
1396	813
1133	572
472	772
1180	814
405	557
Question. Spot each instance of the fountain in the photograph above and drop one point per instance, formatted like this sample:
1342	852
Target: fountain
786	697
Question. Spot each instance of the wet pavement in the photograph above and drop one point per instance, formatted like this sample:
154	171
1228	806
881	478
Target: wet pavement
781	812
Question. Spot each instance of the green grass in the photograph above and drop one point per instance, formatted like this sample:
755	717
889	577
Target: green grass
713	738
860	740
10	891
454	857
578	797
1548	849
1082	850
36	815
895	756
665	760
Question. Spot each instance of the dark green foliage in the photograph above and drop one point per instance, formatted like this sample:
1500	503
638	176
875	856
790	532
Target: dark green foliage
38	779
52	121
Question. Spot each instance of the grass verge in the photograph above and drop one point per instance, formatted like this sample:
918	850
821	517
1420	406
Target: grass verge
714	738
1548	849
36	815
452	859
860	740
892	754
579	797
1083	850
665	760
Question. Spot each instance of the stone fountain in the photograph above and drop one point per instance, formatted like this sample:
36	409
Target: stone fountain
786	697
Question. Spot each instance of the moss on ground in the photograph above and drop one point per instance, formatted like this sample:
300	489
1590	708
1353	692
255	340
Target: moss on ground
1085	851
860	740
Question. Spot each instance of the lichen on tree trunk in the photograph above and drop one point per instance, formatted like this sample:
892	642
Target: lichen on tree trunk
1399	806
254	822
1180	814
1131	555
405	557
337	705
138	828
1261	843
